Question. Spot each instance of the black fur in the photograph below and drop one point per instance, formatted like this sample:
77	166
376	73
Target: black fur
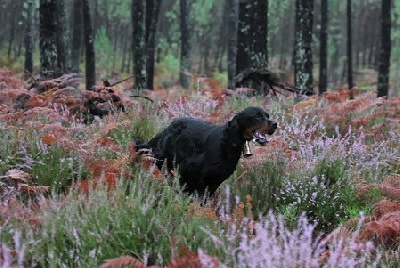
207	154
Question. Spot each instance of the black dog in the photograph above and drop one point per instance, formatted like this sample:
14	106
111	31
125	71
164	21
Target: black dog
207	154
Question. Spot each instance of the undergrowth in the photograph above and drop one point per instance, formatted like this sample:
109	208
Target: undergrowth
295	203
149	225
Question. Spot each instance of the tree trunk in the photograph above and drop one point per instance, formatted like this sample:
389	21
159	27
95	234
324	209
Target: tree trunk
152	11
286	38
76	35
61	46
232	40
48	38
371	33
252	35
185	46
323	48
124	53
116	30
349	48
20	43
358	35
377	46
138	39
302	44
365	18
28	40
96	20
19	28
130	61
106	18
90	61
206	55
385	49
13	25
222	44
261	26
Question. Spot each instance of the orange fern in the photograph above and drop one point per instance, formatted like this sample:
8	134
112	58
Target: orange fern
193	260
125	261
385	231
386	206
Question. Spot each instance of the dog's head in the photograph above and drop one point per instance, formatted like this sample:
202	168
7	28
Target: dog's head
254	124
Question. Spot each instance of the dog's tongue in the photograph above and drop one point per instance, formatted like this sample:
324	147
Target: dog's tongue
260	138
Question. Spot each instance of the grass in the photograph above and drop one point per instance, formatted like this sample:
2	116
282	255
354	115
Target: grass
263	184
128	221
279	203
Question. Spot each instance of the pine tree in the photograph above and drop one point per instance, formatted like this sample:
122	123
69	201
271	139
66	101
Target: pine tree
48	38
302	44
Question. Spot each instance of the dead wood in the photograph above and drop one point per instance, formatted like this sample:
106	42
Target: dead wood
41	86
264	80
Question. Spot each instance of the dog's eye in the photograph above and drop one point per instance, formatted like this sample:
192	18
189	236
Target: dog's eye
259	117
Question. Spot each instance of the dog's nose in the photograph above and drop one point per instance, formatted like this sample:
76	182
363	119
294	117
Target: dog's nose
274	125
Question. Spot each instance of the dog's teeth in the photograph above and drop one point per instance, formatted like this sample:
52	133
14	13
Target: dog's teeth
260	135
260	138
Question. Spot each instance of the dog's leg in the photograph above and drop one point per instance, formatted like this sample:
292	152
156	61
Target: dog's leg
159	163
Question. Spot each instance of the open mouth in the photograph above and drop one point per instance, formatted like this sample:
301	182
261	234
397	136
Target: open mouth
260	138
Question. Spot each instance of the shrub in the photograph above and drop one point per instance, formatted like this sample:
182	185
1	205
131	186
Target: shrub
263	183
141	218
49	165
321	202
273	244
52	166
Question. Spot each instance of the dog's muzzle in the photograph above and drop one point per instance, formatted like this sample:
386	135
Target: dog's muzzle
260	135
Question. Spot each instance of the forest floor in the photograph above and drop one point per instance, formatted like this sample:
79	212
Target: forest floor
324	192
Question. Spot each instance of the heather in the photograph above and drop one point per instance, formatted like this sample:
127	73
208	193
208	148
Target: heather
324	192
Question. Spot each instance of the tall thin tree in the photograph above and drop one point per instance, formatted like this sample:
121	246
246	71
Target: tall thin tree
302	44
90	60
76	35
185	42
232	40
385	49
152	10
61	38
252	33
349	47
48	38
138	41
13	28
28	38
323	48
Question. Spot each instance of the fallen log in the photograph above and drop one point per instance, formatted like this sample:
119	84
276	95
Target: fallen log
266	80
71	79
